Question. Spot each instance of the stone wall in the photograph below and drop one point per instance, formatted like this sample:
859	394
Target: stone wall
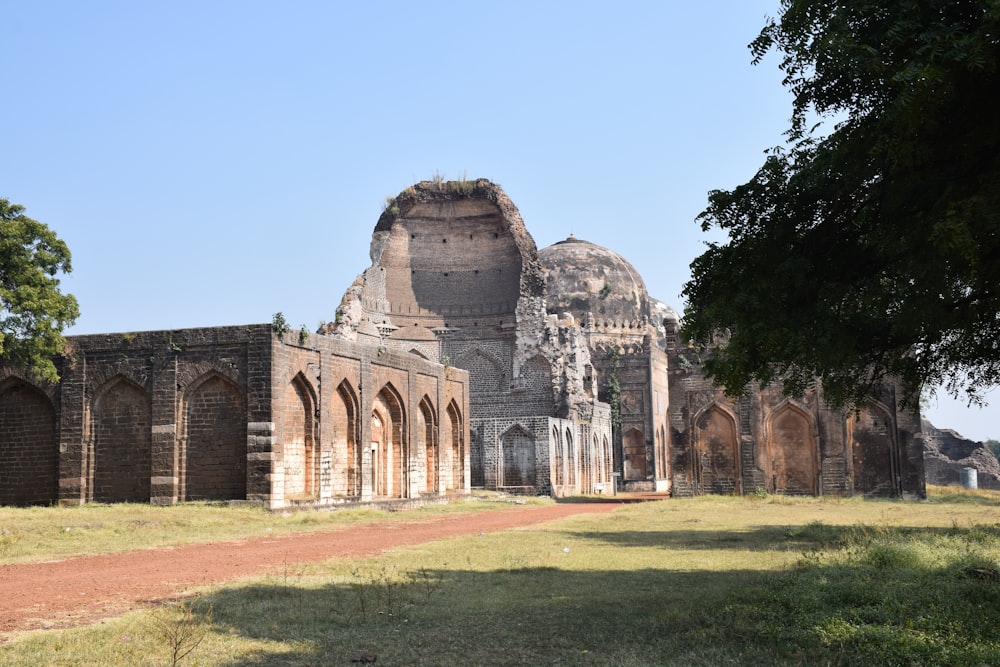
455	276
795	446
233	414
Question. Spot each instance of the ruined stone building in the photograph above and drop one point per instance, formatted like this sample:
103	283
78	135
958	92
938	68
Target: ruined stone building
676	431
455	276
462	357
242	413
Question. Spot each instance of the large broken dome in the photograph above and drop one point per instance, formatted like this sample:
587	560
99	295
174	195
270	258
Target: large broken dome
583	277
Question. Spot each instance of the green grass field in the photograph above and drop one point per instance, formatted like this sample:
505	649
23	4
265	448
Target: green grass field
705	581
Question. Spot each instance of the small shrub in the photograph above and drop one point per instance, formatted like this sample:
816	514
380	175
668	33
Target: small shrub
183	629
279	325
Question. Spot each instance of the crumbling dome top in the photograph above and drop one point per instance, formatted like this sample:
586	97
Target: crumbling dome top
583	277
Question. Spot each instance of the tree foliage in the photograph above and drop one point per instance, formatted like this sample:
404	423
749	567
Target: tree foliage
33	311
870	251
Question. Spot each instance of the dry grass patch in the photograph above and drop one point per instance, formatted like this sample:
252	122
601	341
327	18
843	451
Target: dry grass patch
45	533
705	581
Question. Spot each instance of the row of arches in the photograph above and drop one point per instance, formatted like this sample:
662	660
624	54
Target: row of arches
203	455
789	458
560	462
394	462
208	458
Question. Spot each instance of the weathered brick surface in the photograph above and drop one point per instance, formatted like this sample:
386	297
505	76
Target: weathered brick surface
456	276
29	470
786	445
122	446
233	413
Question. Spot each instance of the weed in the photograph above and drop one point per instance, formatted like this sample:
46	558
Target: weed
381	593
183	628
279	325
8	541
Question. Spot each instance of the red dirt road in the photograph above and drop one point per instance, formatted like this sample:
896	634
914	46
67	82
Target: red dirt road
79	591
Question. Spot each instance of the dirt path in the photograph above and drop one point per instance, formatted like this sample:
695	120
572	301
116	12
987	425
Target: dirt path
83	590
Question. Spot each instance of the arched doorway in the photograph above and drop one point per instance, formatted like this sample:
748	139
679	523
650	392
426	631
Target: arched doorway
298	421
389	448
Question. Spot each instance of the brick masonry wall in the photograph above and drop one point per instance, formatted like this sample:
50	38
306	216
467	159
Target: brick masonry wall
29	462
787	445
228	413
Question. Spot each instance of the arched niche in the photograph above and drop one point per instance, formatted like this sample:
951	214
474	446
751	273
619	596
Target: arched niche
634	454
29	447
793	452
518	456
214	459
485	371
346	453
872	446
717	452
428	445
389	446
121	443
454	440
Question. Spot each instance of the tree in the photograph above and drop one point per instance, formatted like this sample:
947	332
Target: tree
993	446
33	312
871	251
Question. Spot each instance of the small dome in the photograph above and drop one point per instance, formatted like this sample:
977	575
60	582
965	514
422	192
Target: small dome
582	277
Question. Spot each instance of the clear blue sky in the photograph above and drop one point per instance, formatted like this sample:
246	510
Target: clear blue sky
212	163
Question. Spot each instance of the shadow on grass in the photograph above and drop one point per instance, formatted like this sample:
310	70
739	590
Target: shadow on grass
836	612
777	538
966	498
620	499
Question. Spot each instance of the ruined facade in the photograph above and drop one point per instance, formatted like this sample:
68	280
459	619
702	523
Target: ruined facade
462	357
676	431
607	297
456	277
233	414
796	446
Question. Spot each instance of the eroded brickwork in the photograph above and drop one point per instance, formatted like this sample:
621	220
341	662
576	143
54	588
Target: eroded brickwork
768	442
232	413
29	464
455	276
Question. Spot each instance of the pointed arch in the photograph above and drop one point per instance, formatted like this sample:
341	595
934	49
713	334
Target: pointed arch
214	456
298	420
717	451
346	453
121	443
607	461
485	371
558	458
455	442
390	451
596	475
872	450
29	448
518	457
793	451
661	453
427	432
634	454
571	461
536	374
